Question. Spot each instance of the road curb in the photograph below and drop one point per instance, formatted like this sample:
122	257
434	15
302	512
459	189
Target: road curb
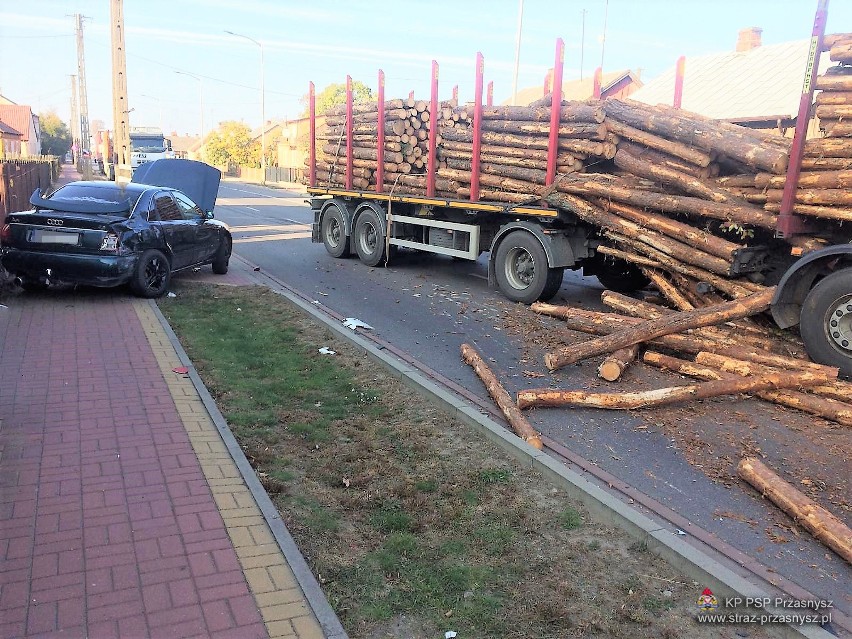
327	618
695	563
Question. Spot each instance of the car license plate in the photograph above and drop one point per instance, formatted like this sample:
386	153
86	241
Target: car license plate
54	237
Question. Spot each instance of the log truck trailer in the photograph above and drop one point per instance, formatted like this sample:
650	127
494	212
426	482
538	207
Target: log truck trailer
530	246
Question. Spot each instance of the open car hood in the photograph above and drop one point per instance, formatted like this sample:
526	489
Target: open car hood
197	180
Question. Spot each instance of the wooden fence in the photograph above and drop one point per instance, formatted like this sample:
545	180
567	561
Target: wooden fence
18	180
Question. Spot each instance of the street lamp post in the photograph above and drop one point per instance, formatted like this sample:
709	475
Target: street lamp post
201	94
262	107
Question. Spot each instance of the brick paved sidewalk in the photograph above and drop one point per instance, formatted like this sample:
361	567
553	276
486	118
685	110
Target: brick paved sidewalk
121	511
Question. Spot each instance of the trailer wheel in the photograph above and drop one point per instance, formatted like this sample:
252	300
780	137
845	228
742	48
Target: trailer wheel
333	231
554	283
521	269
826	321
621	277
369	238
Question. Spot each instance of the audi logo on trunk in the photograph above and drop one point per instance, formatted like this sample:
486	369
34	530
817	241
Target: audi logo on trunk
54	222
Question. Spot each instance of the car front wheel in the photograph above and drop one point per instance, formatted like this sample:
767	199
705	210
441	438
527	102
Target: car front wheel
152	275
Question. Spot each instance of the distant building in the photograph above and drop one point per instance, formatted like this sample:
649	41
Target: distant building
617	84
185	147
10	140
754	85
21	118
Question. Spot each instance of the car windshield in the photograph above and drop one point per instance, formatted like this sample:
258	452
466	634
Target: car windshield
101	198
148	145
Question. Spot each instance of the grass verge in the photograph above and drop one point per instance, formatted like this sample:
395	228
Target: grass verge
412	523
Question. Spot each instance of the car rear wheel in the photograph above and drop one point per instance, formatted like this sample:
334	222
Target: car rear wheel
152	275
222	257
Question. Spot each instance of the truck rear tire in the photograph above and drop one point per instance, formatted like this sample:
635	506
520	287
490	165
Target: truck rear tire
369	238
333	232
826	321
522	271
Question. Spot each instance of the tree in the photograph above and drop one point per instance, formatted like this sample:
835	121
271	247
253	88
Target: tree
335	94
232	143
55	135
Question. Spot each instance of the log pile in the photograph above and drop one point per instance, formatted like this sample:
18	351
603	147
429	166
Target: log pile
712	343
673	192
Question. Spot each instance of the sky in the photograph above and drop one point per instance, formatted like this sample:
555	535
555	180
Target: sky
184	70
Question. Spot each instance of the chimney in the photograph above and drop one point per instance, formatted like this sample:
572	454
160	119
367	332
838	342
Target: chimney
748	39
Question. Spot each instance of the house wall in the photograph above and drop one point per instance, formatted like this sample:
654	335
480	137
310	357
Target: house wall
32	147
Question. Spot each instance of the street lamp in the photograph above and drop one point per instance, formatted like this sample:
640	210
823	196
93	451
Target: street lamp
262	108
201	93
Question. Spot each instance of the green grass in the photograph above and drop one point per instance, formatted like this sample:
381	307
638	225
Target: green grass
570	518
258	351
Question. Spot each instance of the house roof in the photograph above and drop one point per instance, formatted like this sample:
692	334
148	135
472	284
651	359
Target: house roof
18	117
761	83
270	127
576	89
183	143
5	128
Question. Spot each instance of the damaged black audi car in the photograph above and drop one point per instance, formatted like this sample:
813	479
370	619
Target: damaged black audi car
100	233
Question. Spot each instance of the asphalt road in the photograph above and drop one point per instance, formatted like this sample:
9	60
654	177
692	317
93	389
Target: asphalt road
428	305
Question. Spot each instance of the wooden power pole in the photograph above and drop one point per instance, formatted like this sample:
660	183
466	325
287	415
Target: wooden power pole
120	110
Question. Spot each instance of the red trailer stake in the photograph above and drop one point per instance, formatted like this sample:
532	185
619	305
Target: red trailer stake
380	141
679	71
312	109
349	132
433	131
788	223
477	128
555	111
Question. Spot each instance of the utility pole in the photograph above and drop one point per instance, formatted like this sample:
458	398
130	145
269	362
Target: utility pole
603	38
582	41
120	110
517	54
85	138
75	122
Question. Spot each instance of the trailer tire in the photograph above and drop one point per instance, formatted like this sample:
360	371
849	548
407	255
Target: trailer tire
369	237
621	277
554	283
826	321
333	232
521	268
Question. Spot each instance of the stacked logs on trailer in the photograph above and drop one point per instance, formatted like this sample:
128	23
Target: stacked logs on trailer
407	124
673	192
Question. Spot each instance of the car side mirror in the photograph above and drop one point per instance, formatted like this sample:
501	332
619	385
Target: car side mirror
208	215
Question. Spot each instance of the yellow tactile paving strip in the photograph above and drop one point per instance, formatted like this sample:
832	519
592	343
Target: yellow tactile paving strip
279	598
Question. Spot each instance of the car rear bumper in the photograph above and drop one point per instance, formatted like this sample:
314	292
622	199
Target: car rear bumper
92	270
